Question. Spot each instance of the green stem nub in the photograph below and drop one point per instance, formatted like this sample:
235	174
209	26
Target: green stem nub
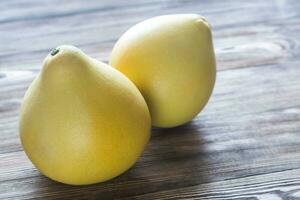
54	51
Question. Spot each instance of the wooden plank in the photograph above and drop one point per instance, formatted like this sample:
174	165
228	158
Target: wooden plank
277	187
57	26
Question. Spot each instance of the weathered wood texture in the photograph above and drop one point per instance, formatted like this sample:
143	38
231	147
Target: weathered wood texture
244	145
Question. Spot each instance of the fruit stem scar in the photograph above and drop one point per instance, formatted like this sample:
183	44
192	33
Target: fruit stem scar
54	51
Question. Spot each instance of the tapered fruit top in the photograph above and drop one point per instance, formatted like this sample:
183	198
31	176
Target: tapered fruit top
171	60
82	121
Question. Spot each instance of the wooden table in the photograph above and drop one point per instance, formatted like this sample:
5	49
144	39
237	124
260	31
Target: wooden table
244	145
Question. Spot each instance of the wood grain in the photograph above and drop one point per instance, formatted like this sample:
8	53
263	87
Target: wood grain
245	144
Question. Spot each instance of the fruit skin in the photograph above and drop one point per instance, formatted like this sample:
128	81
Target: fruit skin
171	60
82	121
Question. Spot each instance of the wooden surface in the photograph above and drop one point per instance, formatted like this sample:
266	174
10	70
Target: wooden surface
246	143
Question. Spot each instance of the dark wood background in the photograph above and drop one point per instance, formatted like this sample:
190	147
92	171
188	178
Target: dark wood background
244	145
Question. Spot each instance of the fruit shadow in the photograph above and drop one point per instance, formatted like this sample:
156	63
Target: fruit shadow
175	158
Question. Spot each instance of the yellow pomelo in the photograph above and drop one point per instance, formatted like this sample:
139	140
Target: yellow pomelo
171	60
82	121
